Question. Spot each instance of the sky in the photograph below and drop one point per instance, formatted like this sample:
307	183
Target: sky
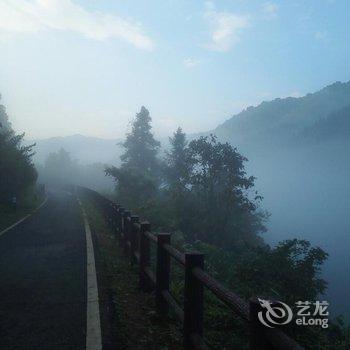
87	66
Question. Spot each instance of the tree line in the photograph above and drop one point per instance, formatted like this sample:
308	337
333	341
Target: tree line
60	169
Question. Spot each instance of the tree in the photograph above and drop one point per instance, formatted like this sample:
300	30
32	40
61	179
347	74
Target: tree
140	146
177	167
176	171
60	169
224	207
4	120
138	177
17	172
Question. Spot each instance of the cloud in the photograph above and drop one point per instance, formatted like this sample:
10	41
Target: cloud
269	10
191	62
23	16
226	28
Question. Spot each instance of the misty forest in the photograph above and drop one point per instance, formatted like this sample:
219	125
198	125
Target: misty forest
174	175
203	190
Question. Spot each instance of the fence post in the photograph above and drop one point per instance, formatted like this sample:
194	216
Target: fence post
133	237
110	212
120	224
126	226
145	253
115	218
258	340
162	273
193	299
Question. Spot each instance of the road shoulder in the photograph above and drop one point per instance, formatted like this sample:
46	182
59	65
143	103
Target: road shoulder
128	316
24	218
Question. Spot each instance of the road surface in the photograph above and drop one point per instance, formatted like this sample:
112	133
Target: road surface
43	279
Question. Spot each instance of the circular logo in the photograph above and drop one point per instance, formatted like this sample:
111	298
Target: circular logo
274	313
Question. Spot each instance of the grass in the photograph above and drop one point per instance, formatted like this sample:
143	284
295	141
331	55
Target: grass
127	314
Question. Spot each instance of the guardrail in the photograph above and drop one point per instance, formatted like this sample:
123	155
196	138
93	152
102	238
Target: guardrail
136	238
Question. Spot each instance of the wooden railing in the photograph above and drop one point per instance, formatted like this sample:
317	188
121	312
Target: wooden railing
136	238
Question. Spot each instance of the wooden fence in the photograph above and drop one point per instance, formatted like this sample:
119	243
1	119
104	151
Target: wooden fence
136	238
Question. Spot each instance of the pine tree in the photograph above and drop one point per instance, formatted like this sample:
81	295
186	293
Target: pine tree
140	146
176	175
138	178
177	167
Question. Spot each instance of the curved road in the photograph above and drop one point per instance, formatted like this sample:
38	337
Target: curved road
43	279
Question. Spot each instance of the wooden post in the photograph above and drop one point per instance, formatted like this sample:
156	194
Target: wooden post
145	253
110	209
120	216
120	224
115	218
162	273
133	238
193	299
126	227
258	340
106	209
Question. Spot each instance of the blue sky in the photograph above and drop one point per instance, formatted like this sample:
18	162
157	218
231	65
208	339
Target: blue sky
69	66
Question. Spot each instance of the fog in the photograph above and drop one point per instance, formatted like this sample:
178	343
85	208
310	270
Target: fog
301	166
304	185
307	193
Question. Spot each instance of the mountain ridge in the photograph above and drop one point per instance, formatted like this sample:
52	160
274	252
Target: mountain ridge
280	120
276	123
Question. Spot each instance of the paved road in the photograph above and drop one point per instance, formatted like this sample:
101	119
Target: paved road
43	280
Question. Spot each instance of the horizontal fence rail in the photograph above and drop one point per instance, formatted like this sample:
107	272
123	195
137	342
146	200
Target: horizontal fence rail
136	238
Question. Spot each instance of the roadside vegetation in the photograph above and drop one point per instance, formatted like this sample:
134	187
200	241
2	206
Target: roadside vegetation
201	193
18	191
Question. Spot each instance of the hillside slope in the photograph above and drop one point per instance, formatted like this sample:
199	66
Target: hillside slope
279	122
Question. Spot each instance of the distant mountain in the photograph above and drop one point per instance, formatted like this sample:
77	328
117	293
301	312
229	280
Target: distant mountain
83	148
282	121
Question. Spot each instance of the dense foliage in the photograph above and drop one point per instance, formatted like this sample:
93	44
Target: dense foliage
17	172
222	208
